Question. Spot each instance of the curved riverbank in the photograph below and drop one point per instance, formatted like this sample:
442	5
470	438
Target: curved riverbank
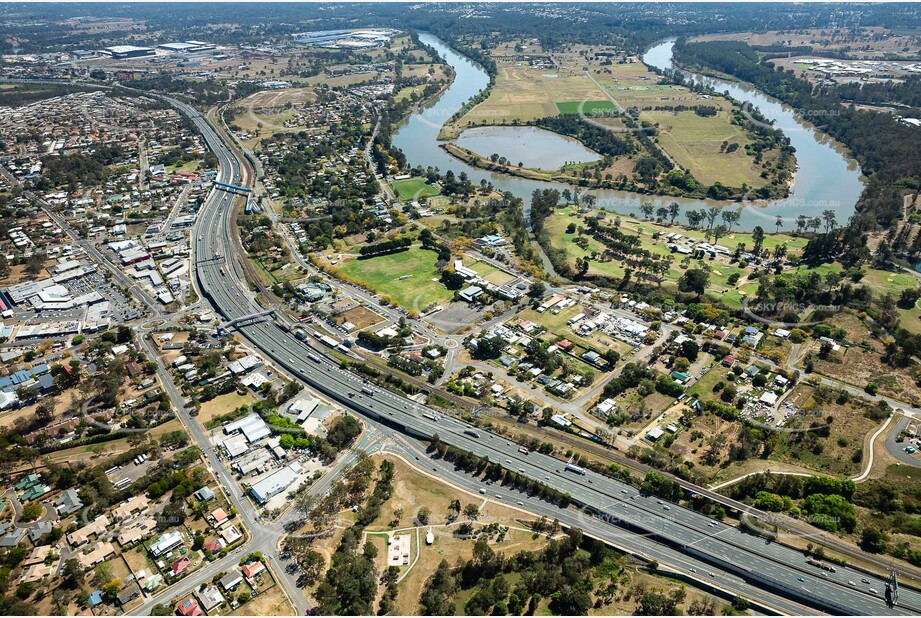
825	178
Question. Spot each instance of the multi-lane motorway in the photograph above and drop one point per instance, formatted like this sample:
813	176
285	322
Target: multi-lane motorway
691	544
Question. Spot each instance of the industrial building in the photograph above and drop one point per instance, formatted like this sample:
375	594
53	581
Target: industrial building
252	426
120	52
187	46
275	483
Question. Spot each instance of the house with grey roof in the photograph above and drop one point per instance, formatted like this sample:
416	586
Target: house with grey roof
210	598
205	493
231	580
13	537
68	502
43	528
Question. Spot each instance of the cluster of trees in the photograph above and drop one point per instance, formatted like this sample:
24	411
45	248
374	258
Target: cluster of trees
599	139
340	218
401	243
372	339
656	484
824	500
782	295
563	572
704	111
208	91
299	176
350	585
342	431
430	242
26	94
648	380
642	263
79	169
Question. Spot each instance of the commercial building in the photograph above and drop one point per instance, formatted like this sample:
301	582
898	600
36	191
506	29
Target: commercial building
275	483
251	426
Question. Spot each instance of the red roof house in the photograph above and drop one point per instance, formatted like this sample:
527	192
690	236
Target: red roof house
179	566
252	569
189	607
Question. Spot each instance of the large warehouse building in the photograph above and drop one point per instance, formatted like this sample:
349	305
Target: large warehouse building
129	51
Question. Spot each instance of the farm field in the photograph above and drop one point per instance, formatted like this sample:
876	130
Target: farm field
408	277
414	188
585	107
526	94
581	84
692	141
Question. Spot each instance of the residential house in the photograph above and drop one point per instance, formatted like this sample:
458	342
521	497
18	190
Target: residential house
13	537
167	542
205	493
41	529
67	502
137	530
219	518
128	593
90	530
210	598
214	545
100	553
38	572
153	582
189	607
95	598
137	504
179	566
29	480
231	580
231	535
252	569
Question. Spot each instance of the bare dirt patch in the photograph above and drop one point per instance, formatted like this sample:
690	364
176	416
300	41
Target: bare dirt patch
361	317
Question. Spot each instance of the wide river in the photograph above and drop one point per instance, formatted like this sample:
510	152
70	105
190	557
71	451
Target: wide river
825	178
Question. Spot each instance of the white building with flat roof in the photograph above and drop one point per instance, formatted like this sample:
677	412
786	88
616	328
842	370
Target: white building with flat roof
275	483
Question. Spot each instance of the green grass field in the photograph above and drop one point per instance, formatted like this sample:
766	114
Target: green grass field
694	143
490	273
731	295
585	107
406	277
414	188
